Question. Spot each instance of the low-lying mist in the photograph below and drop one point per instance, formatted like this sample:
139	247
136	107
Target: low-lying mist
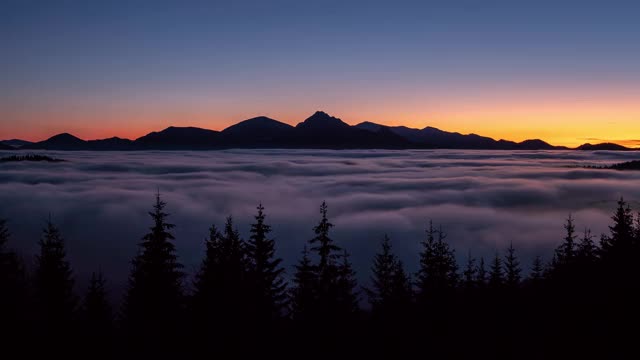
482	199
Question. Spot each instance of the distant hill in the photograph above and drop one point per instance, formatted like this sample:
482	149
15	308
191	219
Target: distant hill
320	130
6	147
603	146
180	138
114	143
63	141
433	138
629	165
258	132
16	143
20	158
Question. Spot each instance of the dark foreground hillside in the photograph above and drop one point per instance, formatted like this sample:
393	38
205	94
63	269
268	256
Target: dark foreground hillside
583	303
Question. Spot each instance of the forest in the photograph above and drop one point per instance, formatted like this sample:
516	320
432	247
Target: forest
583	302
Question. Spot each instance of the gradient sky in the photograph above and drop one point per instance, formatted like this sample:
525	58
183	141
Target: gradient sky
564	71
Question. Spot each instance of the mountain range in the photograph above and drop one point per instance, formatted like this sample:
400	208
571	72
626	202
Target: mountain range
320	130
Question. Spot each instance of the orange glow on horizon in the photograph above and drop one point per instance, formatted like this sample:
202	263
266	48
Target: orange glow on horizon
560	123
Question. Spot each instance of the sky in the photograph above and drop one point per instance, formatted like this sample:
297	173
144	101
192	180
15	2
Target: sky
564	71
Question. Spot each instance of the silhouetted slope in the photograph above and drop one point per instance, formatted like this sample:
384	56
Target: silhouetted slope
114	143
324	131
258	132
320	130
64	141
180	138
430	137
6	147
603	146
629	165
16	143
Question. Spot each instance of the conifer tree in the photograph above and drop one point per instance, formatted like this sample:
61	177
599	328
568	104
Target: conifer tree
154	300
619	243
565	253
206	282
402	292
327	270
470	272
98	316
383	270
481	276
347	297
304	292
426	274
265	271
390	293
587	251
13	287
496	277
325	247
54	280
636	232
512	268
537	270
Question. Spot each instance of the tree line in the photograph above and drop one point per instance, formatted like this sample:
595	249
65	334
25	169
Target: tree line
582	302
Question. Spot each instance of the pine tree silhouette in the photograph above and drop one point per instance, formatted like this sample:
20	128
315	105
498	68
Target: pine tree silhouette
587	251
426	274
347	296
470	273
153	305
325	247
327	270
265	271
53	286
512	268
13	292
98	316
206	285
619	243
390	293
304	293
537	270
565	253
438	274
97	309
481	277
496	275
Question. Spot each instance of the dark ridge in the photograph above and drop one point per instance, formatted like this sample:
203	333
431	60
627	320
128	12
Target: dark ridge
180	138
319	131
603	146
629	165
29	157
16	143
258	132
64	141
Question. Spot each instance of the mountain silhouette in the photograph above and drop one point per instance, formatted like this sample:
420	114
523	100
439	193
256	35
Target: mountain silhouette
16	143
430	137
319	131
114	143
258	132
602	146
64	141
180	138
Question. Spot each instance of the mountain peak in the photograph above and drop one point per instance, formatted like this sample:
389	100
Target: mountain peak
65	137
321	119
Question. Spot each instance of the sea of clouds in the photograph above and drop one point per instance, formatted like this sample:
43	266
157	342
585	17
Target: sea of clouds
482	199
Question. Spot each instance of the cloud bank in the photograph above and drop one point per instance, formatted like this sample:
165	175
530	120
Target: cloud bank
482	199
